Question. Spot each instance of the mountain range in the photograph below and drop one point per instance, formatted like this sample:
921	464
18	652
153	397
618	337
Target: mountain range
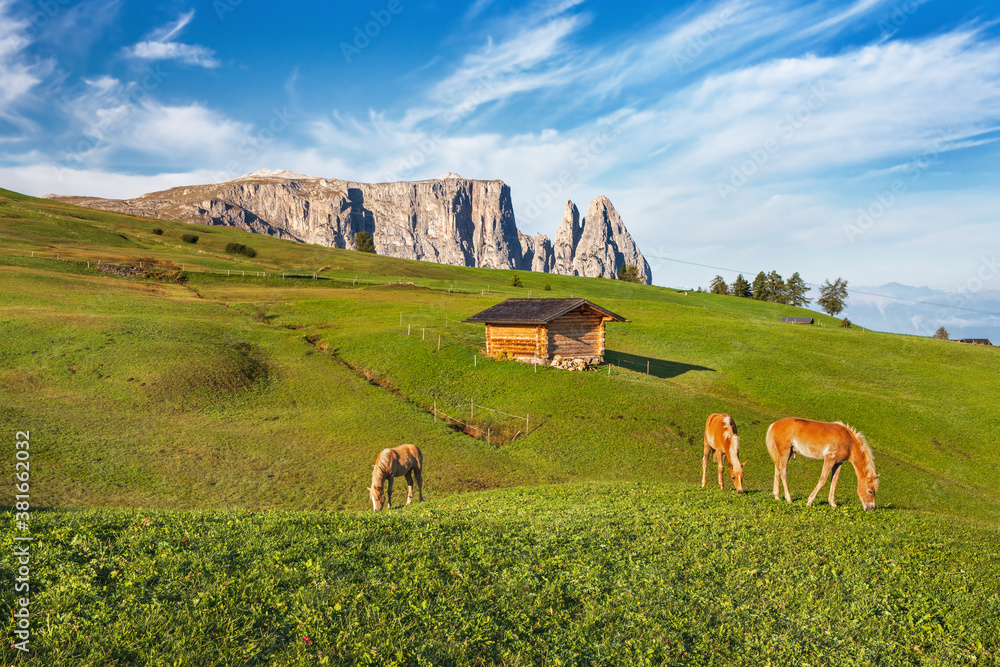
920	311
449	220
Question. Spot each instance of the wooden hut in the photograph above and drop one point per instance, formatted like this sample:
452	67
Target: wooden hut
536	330
798	320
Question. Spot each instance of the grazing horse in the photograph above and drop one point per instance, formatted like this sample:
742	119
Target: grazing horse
721	438
833	442
403	461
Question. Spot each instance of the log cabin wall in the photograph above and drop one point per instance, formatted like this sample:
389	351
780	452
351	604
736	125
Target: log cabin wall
579	333
516	340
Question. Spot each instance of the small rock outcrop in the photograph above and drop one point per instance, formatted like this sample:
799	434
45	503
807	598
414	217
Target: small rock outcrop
567	238
536	253
598	247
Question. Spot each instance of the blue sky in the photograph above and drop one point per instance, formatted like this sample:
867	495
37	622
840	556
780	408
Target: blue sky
853	139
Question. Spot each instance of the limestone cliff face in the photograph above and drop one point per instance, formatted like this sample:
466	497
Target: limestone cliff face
449	220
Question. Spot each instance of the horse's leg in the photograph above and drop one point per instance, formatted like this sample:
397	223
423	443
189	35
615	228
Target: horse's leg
720	459
827	467
388	494
833	483
777	477
420	482
704	461
784	479
409	487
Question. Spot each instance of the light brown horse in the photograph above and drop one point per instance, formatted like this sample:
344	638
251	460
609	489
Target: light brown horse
721	438
833	442
403	461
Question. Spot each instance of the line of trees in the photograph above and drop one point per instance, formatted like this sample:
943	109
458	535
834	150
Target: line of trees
765	287
772	287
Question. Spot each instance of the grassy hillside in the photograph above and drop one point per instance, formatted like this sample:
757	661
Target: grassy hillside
236	391
227	385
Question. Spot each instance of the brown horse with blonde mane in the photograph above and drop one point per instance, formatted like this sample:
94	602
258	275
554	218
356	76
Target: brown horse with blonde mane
403	461
835	443
721	438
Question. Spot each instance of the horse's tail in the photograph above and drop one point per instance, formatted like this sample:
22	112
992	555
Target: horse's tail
772	446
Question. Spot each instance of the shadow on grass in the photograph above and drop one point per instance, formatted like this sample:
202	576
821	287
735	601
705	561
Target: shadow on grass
657	367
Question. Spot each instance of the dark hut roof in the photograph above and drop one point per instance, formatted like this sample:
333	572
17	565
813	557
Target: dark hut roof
975	341
798	320
535	311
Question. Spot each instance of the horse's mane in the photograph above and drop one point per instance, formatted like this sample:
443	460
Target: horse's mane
729	432
866	451
381	467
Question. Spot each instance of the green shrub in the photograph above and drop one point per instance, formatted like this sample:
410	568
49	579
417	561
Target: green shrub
189	238
240	249
548	287
845	323
158	231
516	281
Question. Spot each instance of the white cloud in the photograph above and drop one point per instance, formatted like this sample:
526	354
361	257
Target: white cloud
160	47
18	75
40	179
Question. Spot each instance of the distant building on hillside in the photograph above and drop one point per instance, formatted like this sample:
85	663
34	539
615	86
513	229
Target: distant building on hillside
798	320
536	330
975	341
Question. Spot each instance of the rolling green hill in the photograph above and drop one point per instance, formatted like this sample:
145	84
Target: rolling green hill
223	384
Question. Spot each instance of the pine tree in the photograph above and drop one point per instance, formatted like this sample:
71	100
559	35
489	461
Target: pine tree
796	290
363	242
759	288
740	287
775	286
832	297
630	273
719	286
941	334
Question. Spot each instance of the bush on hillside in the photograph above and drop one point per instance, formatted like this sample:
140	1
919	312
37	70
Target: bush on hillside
189	238
363	242
240	249
158	231
516	281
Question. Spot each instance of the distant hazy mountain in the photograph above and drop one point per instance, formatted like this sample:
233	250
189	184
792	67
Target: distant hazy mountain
921	310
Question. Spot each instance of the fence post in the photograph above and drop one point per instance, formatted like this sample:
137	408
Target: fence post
435	411
439	342
526	422
473	404
488	435
474	361
407	329
647	366
423	334
609	369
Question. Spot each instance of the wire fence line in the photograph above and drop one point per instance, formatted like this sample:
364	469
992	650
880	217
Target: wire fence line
489	429
307	274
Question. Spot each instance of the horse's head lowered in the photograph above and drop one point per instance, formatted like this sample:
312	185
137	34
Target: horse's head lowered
737	475
867	488
377	497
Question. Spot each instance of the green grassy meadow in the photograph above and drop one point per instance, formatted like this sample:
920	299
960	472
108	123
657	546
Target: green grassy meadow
201	444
